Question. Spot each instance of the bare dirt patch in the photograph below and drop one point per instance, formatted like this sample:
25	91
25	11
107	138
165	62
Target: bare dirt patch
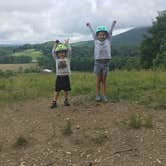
31	134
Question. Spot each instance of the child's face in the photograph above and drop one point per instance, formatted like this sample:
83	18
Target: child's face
62	54
101	36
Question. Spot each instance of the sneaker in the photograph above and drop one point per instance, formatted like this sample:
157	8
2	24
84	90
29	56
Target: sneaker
66	103
98	98
104	99
54	104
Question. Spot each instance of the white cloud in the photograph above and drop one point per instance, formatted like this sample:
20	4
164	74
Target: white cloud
43	20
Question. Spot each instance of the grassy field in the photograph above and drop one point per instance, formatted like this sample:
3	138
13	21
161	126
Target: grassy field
144	87
125	130
30	52
16	67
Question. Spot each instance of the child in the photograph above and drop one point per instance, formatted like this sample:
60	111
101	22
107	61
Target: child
102	55
61	54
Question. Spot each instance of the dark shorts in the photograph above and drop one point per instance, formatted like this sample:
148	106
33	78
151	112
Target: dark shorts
62	83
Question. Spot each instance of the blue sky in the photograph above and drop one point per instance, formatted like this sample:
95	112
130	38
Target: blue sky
35	21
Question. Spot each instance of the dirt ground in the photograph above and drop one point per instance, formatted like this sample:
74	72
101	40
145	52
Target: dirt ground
31	134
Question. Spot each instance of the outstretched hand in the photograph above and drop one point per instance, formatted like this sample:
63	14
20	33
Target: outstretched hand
67	41
87	24
57	41
114	21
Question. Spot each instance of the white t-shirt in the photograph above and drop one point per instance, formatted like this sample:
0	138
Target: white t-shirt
62	64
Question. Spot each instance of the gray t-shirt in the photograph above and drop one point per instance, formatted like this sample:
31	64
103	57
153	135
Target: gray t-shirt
102	49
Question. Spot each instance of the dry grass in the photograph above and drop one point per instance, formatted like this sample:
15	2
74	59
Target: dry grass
16	67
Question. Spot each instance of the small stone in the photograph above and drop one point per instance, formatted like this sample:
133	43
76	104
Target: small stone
78	127
22	164
69	153
88	155
158	161
82	154
90	164
99	151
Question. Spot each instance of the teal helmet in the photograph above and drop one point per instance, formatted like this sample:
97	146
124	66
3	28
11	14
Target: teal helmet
61	47
101	28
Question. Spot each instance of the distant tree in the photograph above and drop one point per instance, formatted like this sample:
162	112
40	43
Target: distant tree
82	63
151	45
160	60
6	59
46	62
22	59
23	47
133	63
4	51
45	48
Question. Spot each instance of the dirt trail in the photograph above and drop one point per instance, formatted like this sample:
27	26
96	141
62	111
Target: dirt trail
99	135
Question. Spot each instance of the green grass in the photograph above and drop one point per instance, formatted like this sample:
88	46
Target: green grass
30	52
21	142
143	87
67	130
137	121
98	136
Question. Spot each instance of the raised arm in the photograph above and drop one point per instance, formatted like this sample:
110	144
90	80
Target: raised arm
53	49
69	48
112	27
91	29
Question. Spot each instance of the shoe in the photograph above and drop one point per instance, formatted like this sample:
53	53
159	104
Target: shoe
54	105
98	98
104	99
66	103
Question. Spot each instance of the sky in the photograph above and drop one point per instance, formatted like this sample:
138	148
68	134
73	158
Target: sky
38	21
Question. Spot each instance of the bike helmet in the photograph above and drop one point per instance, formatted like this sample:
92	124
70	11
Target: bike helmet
101	28
61	47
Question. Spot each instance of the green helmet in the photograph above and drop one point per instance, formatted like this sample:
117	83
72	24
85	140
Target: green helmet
61	47
101	28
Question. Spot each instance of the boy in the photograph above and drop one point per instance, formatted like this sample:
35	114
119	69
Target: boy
62	54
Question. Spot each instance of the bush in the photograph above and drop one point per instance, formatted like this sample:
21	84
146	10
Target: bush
136	121
7	73
67	128
21	141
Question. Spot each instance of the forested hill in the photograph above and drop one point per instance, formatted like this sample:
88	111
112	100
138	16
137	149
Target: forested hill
123	45
132	37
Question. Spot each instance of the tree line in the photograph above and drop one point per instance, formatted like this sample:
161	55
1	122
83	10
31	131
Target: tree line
150	54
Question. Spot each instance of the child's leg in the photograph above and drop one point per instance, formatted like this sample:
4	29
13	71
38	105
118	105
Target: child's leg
98	84
56	96
66	95
104	78
66	102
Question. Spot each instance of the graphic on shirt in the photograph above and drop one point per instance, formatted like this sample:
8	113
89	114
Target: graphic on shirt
62	66
61	54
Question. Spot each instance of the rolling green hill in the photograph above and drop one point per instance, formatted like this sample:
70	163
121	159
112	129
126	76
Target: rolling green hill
130	40
132	37
29	52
